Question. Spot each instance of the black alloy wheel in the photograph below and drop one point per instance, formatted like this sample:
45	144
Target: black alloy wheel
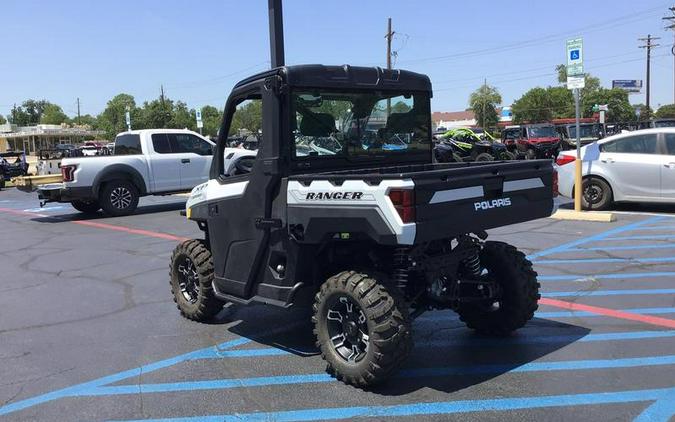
347	328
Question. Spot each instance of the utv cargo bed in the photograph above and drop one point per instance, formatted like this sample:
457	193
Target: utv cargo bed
456	198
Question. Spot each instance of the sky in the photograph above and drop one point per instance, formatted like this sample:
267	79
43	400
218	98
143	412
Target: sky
62	50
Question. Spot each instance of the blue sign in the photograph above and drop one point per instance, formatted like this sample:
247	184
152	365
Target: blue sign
630	85
575	55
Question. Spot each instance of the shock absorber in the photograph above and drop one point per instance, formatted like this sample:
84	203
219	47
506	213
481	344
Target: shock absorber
471	263
401	261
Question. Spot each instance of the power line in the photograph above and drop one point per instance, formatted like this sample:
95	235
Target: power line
619	21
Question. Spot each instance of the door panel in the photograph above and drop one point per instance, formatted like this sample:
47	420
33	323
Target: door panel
668	169
165	165
633	166
194	157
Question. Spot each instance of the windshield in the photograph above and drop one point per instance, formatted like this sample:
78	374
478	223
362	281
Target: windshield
585	131
511	133
361	124
542	132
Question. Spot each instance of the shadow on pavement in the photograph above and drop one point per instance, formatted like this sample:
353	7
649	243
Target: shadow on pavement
633	207
446	358
141	210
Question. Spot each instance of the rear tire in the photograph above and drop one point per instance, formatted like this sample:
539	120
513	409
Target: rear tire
118	198
362	328
86	207
596	194
191	278
506	155
519	292
484	156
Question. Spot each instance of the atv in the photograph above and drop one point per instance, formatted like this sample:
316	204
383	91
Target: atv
460	145
360	238
12	164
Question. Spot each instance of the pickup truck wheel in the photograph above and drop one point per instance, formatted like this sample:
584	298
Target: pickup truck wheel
596	194
191	278
362	328
86	207
118	197
519	294
484	157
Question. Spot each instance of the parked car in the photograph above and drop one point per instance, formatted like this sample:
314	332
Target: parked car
588	133
12	164
146	162
629	167
532	141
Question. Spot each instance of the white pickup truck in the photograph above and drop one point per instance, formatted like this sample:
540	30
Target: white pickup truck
144	162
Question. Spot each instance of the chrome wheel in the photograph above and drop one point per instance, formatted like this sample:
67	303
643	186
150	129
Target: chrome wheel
120	197
348	329
188	280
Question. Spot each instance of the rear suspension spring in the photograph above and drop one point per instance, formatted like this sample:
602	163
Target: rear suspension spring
472	264
401	261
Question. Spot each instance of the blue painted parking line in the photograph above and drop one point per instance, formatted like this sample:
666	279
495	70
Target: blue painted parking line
618	276
655	236
662	397
647	228
606	260
555	314
222	384
627	292
600	236
624	248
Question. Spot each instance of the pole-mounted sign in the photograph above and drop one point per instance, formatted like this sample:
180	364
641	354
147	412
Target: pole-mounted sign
576	81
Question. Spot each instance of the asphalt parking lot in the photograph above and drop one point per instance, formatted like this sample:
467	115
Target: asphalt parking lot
88	331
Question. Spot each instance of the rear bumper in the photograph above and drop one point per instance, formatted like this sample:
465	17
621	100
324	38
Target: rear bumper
546	150
57	192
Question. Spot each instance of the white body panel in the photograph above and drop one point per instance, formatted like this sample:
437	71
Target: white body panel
632	177
373	197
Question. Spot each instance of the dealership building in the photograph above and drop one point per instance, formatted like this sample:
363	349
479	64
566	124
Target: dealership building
31	139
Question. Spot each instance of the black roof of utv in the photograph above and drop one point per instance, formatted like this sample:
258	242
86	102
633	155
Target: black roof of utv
346	76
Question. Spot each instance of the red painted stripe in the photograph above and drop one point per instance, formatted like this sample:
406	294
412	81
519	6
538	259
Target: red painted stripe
661	322
130	230
19	212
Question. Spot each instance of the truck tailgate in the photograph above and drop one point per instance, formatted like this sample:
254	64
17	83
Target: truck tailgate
478	197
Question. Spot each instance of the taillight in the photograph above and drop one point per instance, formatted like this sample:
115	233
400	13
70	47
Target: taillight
556	192
68	173
404	202
565	159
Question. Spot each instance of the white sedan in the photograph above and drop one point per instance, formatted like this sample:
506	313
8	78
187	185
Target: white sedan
629	167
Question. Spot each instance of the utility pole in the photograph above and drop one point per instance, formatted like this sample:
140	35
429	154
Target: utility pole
14	114
671	25
78	111
164	113
648	45
389	36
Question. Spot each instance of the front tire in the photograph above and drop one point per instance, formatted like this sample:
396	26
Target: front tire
596	194
191	278
485	157
86	207
118	198
362	328
519	292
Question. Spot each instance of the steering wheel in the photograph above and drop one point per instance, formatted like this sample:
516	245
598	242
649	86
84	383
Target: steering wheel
243	165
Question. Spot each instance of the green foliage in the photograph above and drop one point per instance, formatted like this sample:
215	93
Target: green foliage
561	69
400	107
112	119
248	116
620	109
2	120
543	104
86	120
666	112
53	115
211	117
182	117
484	102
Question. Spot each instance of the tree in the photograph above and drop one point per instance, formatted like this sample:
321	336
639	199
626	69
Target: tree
484	102
87	120
248	116
53	115
642	112
34	110
561	102
619	107
561	69
2	120
211	117
591	83
182	117
666	112
113	121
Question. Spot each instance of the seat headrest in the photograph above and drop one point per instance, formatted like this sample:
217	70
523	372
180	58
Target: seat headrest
317	124
401	122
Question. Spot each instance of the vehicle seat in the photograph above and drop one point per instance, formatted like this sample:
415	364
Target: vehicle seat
317	124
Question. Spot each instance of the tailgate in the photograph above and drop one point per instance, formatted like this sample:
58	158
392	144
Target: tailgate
478	197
